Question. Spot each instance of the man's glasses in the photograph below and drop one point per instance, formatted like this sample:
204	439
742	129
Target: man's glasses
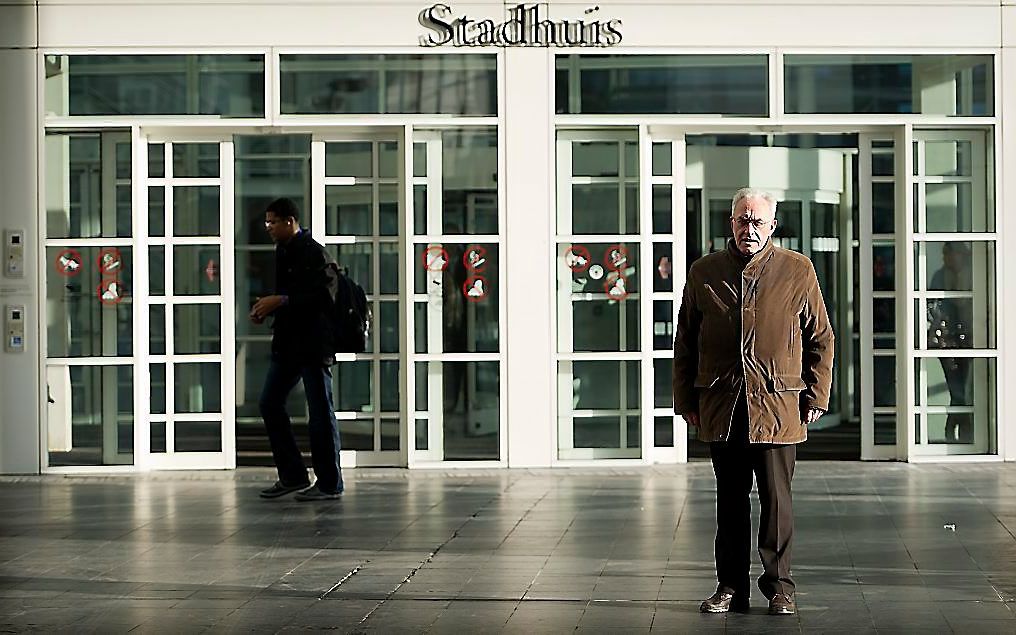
744	221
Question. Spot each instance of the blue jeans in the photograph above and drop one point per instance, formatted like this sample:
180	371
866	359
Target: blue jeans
324	431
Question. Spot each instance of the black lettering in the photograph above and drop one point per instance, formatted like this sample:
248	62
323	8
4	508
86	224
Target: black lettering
486	37
465	39
547	33
613	32
572	33
591	34
431	19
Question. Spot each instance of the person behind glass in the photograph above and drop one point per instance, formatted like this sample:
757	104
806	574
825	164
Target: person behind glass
949	327
303	348
753	358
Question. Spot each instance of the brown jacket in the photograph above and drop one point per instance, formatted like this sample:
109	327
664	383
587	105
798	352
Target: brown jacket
758	325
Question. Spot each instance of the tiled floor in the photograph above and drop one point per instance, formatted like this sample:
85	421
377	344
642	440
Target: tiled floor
879	547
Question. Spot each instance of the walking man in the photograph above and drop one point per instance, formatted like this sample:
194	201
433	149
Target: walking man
303	348
753	361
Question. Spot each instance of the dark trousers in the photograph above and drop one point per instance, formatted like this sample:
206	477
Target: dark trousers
324	431
734	463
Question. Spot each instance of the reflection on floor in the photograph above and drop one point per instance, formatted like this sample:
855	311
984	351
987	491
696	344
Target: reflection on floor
886	547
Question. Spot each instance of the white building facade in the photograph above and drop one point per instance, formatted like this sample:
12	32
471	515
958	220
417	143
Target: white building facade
519	189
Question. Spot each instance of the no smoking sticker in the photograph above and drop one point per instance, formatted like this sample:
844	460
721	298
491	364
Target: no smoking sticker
109	292
435	258
68	263
617	289
577	258
110	261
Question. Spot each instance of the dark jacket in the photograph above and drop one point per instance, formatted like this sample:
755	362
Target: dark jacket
758	325
303	328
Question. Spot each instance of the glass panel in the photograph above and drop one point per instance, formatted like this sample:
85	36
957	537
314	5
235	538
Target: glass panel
419	209
157	270
206	84
663	432
470	298
419	159
421	435
389	434
353	387
883	267
196	329
420	324
662	159
885	429
156	160
388	210
90	414
961	393
604	385
349	210
191	266
965	271
884	380
357	434
157	329
883	164
400	83
471	410
663	279
676	84
663	325
948	158
604	298
349	158
78	177
388	262
267	167
197	436
663	209
89	310
388	159
663	390
601	208
387	325
357	258
788	231
469	181
949	207
157	441
890	84
196	211
597	432
596	158
195	160
883	322
391	394
421	387
198	387
157	211
157	390
883	208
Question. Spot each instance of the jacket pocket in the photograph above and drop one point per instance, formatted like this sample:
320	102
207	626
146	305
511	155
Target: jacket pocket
781	383
706	379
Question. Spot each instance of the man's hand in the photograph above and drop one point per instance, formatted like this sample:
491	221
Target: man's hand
691	418
813	415
264	307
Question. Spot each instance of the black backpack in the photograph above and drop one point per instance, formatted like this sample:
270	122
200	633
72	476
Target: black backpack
351	314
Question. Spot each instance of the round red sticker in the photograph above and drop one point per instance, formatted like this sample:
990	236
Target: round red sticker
475	258
475	288
616	288
577	258
109	291
435	258
110	261
68	263
616	257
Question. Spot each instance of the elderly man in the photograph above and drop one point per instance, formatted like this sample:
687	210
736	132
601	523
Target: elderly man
753	361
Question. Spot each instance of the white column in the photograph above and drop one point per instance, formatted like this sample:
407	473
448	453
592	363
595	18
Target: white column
21	398
1006	227
528	139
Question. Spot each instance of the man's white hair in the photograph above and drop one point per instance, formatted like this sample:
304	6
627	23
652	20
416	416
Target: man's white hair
751	192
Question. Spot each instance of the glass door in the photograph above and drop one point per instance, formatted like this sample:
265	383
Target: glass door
357	202
188	354
951	362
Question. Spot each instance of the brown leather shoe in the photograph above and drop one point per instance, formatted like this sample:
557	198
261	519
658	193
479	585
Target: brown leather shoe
782	604
722	601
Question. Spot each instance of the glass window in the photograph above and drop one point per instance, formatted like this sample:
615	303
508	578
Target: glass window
959	85
224	85
469	408
89	313
960	307
399	84
88	194
958	397
469	181
198	387
197	436
90	414
676	84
